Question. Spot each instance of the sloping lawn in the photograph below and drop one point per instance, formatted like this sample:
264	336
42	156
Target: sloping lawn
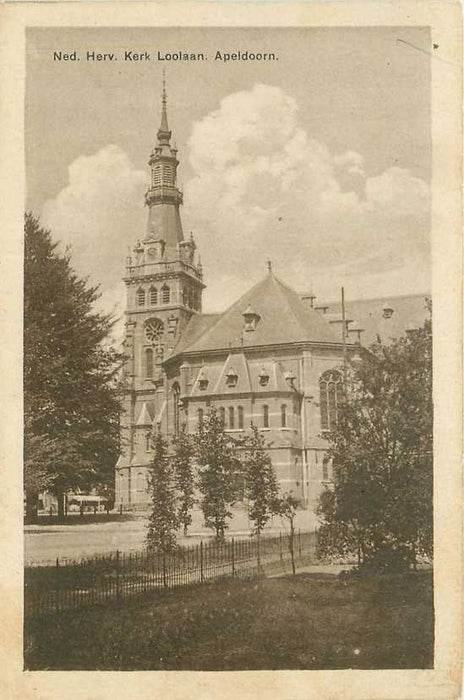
305	622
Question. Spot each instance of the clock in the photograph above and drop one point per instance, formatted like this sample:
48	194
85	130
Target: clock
154	330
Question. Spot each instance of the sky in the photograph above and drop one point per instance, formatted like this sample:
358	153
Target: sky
319	161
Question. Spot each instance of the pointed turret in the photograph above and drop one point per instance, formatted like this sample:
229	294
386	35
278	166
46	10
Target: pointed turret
164	134
164	197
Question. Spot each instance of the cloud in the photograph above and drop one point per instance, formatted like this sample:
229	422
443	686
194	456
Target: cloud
99	214
263	188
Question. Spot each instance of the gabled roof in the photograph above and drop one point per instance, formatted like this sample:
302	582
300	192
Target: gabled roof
284	319
409	311
235	364
146	415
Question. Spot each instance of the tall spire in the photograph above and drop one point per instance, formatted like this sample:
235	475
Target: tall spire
163	132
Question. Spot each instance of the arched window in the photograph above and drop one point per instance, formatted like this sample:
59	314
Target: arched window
153	296
265	416
325	469
283	416
331	392
140	483
148	442
156	176
185	296
240	417
176	408
190	298
149	363
200	416
166	294
231	418
140	297
222	415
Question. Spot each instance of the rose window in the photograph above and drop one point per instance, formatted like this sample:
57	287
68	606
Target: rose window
154	330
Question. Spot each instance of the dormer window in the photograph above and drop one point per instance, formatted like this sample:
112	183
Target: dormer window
203	380
290	378
263	378
250	319
231	377
387	311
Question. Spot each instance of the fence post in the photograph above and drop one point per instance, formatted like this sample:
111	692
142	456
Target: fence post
280	547
118	582
233	557
201	561
299	542
165	583
57	563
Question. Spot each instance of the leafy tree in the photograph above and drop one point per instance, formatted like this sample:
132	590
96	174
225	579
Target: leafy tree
71	399
382	455
163	521
287	506
261	487
182	461
218	465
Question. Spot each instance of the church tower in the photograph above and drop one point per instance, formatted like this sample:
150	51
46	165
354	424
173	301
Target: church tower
164	290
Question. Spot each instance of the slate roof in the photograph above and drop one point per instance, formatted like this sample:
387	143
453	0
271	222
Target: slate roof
198	324
409	311
284	319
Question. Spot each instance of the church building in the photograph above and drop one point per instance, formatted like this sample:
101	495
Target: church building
273	358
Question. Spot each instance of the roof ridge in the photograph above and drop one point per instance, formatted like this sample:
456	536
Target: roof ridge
289	289
382	298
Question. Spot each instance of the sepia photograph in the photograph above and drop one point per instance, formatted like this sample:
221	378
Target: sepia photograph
235	431
228	349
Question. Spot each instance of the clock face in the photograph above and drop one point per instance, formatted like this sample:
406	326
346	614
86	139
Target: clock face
154	330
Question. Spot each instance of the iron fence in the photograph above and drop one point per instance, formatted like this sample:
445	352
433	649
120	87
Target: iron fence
119	575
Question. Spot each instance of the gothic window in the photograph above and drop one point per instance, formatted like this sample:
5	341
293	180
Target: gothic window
222	415
156	176
265	416
140	297
153	296
166	294
176	407
140	483
149	363
200	416
185	296
154	330
331	391
167	172
240	417
147	442
231	418
283	416
325	469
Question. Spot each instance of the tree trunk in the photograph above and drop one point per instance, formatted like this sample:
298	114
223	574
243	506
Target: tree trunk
292	553
60	500
31	507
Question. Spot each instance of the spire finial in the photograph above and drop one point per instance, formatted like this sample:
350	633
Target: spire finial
163	131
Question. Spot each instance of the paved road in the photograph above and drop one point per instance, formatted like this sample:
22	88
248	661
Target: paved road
44	543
